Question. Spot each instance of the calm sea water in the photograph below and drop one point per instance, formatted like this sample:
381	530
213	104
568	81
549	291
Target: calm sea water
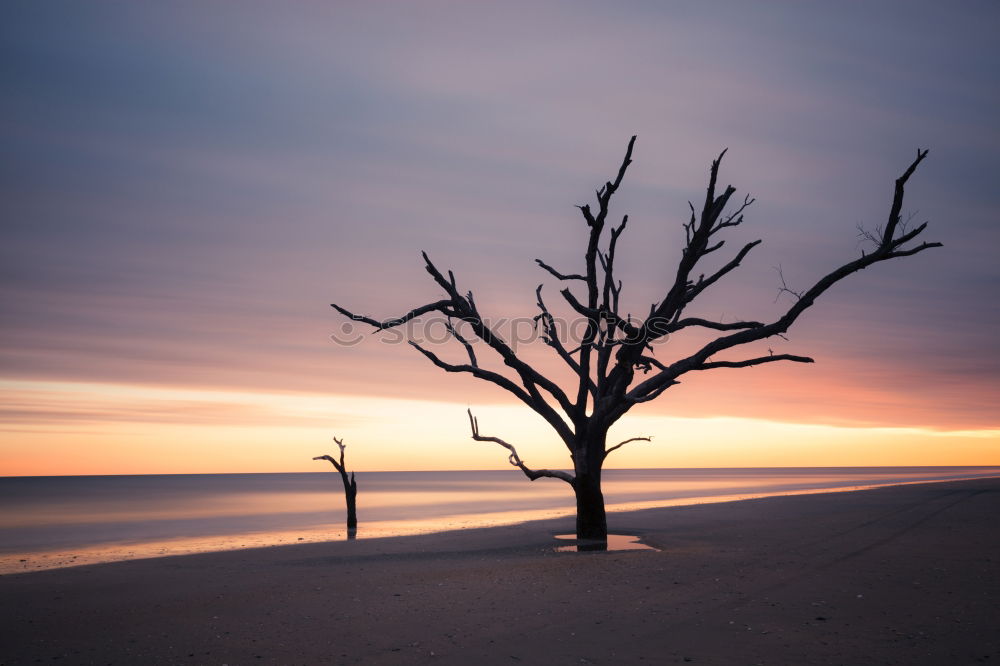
54	521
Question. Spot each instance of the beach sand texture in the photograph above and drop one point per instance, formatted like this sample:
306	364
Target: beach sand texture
899	575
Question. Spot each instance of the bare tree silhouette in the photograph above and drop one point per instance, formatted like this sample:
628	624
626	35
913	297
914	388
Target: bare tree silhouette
615	346
350	485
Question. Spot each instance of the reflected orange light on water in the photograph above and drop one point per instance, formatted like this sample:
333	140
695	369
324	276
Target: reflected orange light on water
143	509
113	552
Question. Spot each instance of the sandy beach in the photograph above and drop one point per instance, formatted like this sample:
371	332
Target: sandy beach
899	575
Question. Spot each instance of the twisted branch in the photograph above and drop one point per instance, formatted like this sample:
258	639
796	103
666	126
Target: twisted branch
515	459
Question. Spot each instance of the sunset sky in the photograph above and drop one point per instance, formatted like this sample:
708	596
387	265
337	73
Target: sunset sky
185	187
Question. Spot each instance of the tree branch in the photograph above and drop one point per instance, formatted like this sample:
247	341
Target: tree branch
784	288
515	459
716	325
753	361
339	465
610	301
704	283
551	337
596	224
621	444
532	399
647	363
465	343
476	371
595	315
735	218
557	274
437	306
913	250
897	199
635	397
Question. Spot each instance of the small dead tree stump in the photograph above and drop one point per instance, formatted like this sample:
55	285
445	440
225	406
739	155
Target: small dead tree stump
350	485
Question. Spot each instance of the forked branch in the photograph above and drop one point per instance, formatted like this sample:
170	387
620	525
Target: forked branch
890	247
339	464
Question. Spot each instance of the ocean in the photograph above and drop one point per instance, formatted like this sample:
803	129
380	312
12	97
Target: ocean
49	522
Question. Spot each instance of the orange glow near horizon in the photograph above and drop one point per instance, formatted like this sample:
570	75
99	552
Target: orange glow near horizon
83	428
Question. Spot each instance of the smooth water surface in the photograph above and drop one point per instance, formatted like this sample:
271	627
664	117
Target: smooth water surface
55	521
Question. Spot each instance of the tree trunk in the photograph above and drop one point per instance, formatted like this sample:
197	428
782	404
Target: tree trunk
351	494
591	521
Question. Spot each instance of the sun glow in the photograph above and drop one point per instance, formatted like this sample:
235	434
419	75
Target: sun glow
55	428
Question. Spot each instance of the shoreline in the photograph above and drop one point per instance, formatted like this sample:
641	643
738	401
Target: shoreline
111	552
900	574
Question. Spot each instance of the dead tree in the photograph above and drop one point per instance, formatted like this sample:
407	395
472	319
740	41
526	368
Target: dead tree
614	365
350	485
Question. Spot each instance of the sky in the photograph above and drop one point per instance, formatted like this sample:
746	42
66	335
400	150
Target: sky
185	187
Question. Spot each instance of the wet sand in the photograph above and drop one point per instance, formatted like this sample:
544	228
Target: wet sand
899	575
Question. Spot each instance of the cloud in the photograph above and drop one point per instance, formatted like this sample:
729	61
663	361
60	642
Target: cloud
188	190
